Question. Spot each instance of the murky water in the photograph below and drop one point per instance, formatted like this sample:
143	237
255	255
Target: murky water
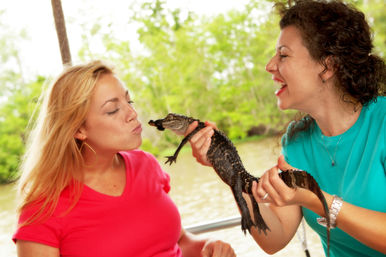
200	195
7	220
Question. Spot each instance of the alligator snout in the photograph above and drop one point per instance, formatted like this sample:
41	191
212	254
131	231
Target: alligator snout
157	123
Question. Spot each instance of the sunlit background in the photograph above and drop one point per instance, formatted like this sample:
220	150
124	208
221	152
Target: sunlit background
40	51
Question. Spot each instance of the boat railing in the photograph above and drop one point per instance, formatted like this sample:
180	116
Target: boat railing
236	221
214	225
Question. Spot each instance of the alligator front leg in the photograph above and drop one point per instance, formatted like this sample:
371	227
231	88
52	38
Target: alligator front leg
173	158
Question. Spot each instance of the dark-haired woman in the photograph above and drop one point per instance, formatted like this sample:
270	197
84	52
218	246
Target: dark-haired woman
325	68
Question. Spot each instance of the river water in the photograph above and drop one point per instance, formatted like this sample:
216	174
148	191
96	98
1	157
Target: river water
200	196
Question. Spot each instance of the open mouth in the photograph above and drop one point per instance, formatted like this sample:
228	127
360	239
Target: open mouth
281	89
282	85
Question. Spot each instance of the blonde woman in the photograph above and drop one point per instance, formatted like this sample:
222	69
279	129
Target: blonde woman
86	190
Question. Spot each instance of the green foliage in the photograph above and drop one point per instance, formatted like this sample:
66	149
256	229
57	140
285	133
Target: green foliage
375	11
15	101
14	117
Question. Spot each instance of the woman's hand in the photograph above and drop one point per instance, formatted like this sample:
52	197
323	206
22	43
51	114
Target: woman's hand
217	248
200	142
193	246
280	211
272	189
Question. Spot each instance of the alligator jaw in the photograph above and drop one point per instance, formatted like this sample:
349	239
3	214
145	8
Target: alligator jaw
157	123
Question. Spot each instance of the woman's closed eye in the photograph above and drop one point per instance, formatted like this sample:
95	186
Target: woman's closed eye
112	112
130	102
282	56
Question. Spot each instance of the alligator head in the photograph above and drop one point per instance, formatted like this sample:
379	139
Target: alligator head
175	122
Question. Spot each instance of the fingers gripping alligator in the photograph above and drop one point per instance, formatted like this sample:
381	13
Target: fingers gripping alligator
225	160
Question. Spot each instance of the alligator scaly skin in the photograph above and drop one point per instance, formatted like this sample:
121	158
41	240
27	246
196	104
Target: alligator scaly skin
223	156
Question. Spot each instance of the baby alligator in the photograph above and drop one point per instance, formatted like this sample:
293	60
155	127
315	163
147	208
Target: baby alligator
225	160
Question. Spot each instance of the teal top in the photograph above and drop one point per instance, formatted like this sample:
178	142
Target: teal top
358	176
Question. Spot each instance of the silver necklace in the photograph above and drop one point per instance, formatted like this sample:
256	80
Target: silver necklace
332	158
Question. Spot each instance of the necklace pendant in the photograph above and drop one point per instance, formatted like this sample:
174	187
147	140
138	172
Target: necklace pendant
332	157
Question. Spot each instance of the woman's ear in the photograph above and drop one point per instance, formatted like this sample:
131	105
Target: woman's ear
329	69
80	134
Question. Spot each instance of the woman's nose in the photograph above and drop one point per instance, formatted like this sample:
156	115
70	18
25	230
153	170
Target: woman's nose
131	113
271	65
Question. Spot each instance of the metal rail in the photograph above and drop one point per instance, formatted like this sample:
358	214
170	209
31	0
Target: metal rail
214	225
236	221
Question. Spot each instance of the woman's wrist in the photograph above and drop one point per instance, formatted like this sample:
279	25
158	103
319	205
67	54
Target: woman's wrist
311	201
190	244
334	210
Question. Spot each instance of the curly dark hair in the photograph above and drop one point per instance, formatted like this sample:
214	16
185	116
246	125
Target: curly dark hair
334	31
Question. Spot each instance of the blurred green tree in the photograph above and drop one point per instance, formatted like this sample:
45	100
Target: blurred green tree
15	114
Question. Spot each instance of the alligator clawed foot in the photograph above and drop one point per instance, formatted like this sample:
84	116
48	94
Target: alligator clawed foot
260	223
171	159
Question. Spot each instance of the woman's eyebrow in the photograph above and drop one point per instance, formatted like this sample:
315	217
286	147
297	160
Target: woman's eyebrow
114	99
282	46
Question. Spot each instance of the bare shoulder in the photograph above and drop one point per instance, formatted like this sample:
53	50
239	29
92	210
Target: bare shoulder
29	249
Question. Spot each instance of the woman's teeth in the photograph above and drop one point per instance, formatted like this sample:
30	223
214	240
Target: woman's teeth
281	89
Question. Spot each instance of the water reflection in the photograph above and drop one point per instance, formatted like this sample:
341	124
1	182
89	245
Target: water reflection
7	220
200	195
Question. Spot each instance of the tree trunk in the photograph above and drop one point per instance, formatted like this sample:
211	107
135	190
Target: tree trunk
61	32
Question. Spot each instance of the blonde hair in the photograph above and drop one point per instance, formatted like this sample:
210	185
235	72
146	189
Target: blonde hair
53	159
